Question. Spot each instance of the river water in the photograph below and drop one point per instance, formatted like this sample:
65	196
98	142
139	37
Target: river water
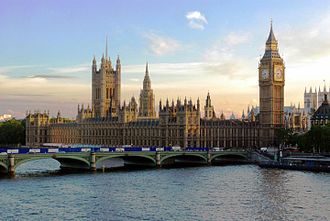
244	192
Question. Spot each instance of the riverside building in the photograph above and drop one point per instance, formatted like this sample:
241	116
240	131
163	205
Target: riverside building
107	122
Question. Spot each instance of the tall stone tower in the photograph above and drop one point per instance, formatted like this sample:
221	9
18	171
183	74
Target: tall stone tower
271	90
106	87
310	101
147	98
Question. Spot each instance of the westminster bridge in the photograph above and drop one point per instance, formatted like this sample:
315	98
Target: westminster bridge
89	159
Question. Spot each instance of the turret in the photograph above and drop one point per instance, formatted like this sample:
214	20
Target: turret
118	64
198	104
208	108
94	66
222	116
102	60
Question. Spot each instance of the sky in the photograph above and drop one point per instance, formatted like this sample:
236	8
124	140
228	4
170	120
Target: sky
193	47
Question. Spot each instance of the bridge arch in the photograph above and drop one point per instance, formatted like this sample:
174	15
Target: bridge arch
230	155
200	156
73	162
3	168
19	162
123	156
65	161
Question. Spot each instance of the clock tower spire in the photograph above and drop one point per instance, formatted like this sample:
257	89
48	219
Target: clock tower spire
271	90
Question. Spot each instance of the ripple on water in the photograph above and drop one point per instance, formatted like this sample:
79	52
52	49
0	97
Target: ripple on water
198	193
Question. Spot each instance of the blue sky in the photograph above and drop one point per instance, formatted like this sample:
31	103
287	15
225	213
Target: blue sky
192	46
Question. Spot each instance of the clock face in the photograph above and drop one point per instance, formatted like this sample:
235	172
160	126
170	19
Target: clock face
265	74
278	75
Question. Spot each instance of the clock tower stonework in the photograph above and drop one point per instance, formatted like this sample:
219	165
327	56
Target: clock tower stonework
271	91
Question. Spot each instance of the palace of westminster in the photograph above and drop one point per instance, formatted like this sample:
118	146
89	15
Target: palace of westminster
112	123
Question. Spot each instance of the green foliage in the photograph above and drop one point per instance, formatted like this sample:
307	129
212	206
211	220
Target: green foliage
12	132
317	139
284	136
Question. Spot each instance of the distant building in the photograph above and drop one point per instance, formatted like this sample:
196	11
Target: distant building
295	118
313	100
5	117
107	122
322	114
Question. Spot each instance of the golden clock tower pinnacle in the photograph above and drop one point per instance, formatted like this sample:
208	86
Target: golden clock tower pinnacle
271	90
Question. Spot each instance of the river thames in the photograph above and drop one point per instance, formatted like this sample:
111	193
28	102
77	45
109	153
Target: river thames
244	192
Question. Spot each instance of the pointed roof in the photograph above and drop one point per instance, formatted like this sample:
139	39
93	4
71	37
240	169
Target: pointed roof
147	81
323	112
118	59
147	68
271	46
271	37
208	100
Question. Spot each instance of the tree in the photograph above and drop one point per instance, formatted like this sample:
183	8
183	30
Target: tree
12	132
317	139
286	136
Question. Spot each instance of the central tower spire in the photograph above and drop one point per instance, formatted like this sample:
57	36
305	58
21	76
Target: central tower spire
147	98
146	81
106	47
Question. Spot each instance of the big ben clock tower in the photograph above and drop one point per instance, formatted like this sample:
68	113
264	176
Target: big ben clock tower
271	91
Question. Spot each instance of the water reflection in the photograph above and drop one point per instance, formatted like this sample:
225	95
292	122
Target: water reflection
38	167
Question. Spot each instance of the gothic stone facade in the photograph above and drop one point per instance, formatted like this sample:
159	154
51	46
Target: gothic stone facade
107	122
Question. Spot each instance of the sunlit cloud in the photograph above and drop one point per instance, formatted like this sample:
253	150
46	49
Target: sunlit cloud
306	52
6	69
196	20
161	45
73	69
51	76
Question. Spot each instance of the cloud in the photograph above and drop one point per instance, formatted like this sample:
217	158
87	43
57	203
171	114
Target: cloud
41	93
172	80
196	20
6	69
307	43
223	57
72	69
233	39
134	79
45	76
161	45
